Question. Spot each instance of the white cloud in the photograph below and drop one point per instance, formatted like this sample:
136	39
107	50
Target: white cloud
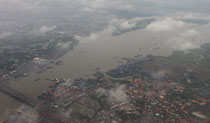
91	37
5	34
122	23
184	40
45	29
181	43
184	37
188	45
168	24
114	24
128	6
87	9
64	45
26	114
159	74
117	95
127	24
100	4
190	33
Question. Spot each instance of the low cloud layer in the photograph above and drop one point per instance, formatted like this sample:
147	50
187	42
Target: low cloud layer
190	33
45	29
5	34
100	4
115	25
188	39
168	24
183	44
86	16
179	35
24	114
159	74
127	24
117	95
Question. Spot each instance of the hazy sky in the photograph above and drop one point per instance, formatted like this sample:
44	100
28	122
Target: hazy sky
38	16
41	7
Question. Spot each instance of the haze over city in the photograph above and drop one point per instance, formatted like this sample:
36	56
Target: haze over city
104	61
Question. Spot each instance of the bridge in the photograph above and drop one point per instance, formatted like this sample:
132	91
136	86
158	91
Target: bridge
23	98
19	96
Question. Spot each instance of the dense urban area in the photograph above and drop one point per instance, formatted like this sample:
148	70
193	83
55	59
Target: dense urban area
17	57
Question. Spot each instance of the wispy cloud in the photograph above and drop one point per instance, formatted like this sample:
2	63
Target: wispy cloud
45	29
118	95
190	33
24	114
184	41
181	43
5	34
159	74
168	24
100	4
